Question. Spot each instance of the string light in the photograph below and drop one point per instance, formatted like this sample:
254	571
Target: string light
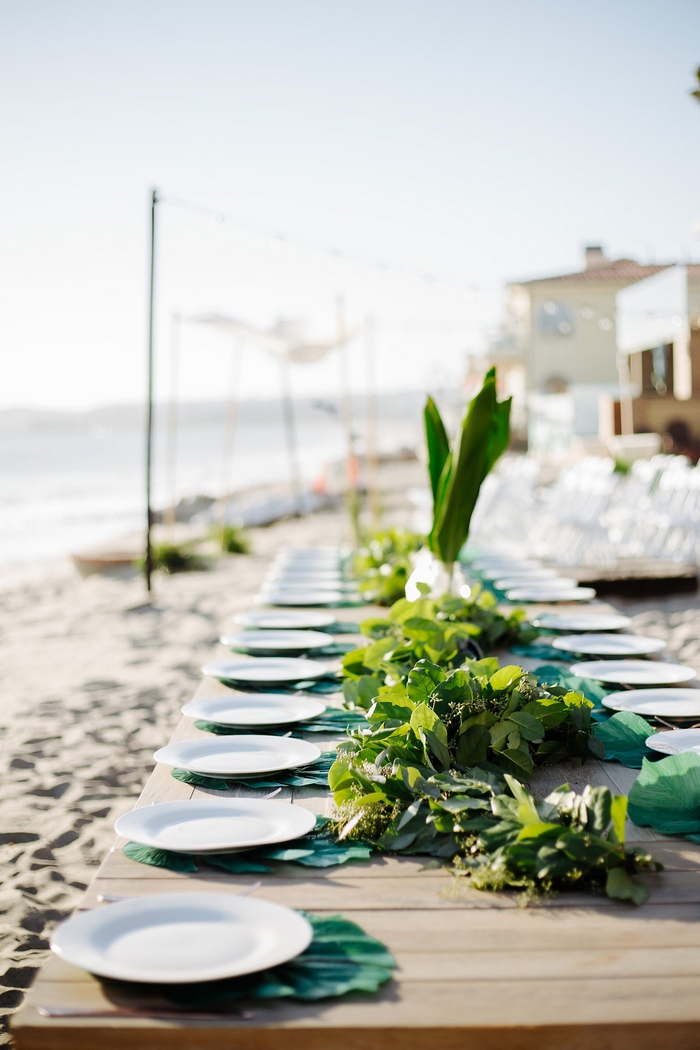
222	218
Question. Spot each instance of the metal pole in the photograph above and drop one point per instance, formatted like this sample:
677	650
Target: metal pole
148	564
291	436
176	329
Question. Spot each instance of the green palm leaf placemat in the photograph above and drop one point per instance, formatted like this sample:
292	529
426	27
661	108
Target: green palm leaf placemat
559	676
316	850
315	774
540	651
622	733
342	627
341	958
623	737
335	649
330	683
331	721
666	795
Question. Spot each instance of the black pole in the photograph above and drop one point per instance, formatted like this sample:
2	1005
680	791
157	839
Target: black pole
148	564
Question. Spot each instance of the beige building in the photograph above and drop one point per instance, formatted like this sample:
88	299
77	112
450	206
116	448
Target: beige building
559	335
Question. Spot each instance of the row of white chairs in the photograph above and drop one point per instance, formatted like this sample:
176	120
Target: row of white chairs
592	514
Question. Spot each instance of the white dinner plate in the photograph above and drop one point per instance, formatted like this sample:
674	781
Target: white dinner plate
302	597
264	670
633	672
319	550
673	741
303	583
485	565
551	594
526	575
178	938
269	620
298	568
511	583
276	641
239	756
323	559
666	703
302	572
582	622
608	644
254	709
280	586
214	825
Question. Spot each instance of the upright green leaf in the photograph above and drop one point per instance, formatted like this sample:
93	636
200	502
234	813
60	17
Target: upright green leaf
437	442
484	436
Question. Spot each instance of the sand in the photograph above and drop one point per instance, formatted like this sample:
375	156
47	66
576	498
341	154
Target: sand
91	683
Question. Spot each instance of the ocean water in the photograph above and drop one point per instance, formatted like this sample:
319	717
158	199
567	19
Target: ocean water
70	481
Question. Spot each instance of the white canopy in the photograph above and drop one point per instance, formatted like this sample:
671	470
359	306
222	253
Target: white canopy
285	339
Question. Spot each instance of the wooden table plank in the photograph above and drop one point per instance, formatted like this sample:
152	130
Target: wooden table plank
582	1012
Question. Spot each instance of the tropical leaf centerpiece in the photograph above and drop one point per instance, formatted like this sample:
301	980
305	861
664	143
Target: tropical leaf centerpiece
457	475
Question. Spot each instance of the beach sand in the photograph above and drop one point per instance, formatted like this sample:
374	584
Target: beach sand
91	683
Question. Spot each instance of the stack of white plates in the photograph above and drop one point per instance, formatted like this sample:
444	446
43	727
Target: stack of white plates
307	577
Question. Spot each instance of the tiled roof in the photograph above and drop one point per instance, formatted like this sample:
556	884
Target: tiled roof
620	270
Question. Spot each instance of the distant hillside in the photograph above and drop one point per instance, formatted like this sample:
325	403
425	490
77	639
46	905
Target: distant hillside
250	414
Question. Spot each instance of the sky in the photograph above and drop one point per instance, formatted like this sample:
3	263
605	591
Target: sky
405	157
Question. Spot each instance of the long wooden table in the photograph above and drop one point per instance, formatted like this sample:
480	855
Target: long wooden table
474	969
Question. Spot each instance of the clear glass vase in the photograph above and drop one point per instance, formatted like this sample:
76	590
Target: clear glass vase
432	573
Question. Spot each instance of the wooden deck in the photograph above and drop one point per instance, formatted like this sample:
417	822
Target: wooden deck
475	969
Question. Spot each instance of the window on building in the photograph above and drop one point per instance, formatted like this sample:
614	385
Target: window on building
555	318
